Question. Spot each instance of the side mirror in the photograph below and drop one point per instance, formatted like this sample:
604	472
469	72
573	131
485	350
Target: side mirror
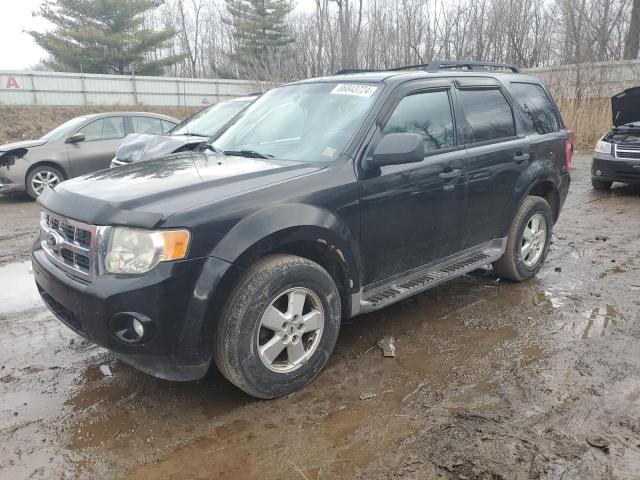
76	138
398	148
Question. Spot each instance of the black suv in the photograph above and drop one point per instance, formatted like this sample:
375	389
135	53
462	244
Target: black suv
617	154
329	198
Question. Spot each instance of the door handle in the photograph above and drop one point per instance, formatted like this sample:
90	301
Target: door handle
450	174
521	157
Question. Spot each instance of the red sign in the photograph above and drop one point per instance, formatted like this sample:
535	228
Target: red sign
12	83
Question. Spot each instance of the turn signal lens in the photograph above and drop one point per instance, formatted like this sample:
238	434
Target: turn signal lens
176	243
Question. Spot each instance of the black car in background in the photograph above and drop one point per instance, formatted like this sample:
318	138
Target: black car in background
328	198
201	127
617	154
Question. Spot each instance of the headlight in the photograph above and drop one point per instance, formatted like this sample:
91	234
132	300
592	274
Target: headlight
135	251
603	147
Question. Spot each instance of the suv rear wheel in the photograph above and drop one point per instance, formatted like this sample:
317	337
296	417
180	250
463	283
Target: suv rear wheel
601	184
528	241
279	326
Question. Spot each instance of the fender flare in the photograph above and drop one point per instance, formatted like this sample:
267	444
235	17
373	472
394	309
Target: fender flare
276	226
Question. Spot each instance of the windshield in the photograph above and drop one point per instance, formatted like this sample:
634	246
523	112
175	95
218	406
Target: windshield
209	121
65	128
307	122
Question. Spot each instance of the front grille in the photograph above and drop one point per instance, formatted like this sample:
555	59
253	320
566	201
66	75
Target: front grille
628	151
69	244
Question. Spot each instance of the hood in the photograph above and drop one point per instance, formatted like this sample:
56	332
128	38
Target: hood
138	147
625	107
144	193
10	152
7	147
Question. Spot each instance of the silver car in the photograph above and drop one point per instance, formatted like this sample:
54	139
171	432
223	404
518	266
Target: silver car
204	126
81	145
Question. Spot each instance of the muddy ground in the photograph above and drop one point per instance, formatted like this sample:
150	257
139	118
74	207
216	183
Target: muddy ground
491	380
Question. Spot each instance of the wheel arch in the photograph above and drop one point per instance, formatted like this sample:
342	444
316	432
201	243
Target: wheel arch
297	229
548	190
43	163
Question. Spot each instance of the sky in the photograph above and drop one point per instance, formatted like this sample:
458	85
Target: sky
18	51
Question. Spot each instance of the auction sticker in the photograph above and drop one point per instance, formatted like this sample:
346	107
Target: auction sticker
357	89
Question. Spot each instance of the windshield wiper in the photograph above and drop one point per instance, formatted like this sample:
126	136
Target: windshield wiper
192	134
247	153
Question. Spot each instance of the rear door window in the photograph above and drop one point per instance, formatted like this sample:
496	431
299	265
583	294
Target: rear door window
104	129
489	116
429	115
148	125
539	112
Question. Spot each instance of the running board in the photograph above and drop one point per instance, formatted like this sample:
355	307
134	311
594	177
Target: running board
427	277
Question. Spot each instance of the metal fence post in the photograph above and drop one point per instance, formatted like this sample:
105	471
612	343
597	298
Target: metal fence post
84	88
134	87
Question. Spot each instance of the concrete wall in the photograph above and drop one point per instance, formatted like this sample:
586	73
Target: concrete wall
590	80
54	88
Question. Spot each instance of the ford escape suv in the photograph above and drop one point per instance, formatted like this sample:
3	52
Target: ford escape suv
329	198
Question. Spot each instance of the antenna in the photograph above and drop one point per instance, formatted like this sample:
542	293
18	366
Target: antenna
184	100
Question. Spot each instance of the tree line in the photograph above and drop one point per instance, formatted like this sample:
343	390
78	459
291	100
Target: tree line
273	40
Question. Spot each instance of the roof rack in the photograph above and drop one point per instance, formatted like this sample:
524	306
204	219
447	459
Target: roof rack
438	65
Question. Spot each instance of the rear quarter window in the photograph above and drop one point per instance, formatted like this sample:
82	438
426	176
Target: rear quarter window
539	112
488	115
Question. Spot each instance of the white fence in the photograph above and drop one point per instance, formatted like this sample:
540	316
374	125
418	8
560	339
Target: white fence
54	88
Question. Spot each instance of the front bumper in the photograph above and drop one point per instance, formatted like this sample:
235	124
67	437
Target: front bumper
608	168
11	187
182	299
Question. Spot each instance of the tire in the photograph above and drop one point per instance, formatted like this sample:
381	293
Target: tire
512	265
42	173
601	184
277	283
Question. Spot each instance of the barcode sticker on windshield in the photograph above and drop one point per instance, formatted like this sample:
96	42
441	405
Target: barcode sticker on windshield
356	89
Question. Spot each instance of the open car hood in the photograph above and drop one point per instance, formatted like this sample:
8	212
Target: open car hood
625	107
138	147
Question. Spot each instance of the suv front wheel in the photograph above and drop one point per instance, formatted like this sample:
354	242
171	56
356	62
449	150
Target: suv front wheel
279	326
528	241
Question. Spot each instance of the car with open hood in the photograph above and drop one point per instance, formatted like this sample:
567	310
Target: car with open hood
202	127
79	146
329	198
617	154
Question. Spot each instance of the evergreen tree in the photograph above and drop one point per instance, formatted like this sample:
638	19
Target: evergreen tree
103	36
260	33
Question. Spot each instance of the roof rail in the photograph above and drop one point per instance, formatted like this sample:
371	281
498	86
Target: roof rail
437	65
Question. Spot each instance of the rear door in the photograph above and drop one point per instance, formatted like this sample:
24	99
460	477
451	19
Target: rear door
542	122
499	152
101	137
413	214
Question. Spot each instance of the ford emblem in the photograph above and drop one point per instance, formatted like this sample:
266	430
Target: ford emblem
54	241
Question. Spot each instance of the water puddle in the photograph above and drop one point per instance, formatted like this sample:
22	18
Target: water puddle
593	323
18	290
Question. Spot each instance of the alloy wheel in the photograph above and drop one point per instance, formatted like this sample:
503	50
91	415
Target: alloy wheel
290	330
534	238
42	179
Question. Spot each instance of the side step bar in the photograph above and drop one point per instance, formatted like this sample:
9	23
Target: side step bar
427	277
